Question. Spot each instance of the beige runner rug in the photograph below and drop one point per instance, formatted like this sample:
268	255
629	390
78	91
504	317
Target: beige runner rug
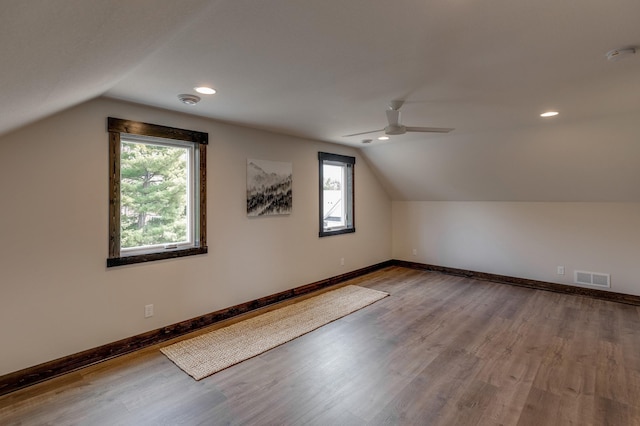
209	353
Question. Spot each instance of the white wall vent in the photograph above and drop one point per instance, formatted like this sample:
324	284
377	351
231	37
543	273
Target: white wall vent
593	278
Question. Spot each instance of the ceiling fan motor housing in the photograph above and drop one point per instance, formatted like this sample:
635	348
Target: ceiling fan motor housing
395	130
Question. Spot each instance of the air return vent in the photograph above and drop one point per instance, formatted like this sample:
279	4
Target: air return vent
593	278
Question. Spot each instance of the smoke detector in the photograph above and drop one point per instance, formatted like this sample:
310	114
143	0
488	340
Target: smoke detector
188	99
617	54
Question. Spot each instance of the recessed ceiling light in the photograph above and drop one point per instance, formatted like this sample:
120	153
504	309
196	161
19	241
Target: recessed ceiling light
189	99
549	114
383	138
205	90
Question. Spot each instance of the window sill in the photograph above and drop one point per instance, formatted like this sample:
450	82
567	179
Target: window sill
149	257
337	232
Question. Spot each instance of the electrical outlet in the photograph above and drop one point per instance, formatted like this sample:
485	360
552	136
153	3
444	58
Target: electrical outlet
342	261
148	311
560	270
414	252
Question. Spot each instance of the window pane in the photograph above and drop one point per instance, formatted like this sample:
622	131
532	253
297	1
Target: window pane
154	194
333	196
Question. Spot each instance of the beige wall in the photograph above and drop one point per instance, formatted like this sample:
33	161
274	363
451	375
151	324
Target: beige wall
523	239
57	296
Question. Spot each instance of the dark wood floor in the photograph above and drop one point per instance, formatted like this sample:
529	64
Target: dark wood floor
442	350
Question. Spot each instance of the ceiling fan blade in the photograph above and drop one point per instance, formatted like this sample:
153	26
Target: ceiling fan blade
429	129
393	116
363	133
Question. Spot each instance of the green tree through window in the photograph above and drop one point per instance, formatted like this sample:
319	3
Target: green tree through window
153	195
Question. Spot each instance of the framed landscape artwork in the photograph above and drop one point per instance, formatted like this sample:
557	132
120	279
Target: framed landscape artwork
269	185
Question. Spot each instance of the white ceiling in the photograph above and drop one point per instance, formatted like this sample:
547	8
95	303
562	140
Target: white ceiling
321	69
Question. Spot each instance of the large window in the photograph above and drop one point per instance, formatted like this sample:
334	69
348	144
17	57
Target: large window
157	197
336	194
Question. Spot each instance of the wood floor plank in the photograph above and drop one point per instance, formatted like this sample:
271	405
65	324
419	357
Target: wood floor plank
612	413
472	404
441	350
546	408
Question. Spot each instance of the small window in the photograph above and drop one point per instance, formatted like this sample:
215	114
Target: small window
336	194
157	196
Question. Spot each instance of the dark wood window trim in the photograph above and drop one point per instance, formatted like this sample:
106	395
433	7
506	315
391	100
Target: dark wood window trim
349	161
116	127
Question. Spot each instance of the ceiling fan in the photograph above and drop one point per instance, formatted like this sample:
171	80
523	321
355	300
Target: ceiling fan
395	128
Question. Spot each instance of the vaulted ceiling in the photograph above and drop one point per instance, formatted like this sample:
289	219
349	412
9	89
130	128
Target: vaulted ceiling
322	69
